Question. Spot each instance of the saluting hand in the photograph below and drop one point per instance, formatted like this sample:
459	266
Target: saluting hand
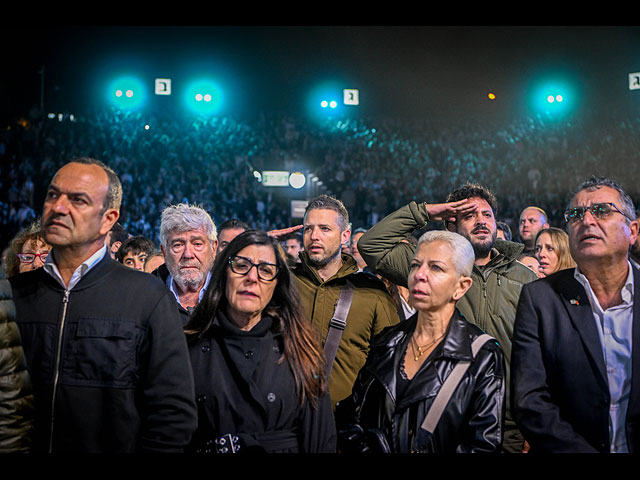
449	211
283	231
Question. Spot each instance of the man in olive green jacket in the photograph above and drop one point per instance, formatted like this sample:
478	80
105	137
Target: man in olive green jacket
322	273
498	277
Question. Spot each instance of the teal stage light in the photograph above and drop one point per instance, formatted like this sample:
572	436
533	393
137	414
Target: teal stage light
325	99
127	93
204	97
554	98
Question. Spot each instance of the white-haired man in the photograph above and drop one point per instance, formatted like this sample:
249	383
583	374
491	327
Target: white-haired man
188	240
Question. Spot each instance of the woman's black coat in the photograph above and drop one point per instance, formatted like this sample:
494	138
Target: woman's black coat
242	389
473	419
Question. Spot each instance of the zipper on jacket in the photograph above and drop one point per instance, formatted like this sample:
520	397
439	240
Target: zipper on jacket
65	302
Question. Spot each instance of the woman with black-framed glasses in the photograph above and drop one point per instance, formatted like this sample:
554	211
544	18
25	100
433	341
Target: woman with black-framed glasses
257	364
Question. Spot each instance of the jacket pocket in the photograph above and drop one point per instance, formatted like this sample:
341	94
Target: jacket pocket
102	352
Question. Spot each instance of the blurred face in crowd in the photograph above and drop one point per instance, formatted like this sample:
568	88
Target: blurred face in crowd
433	279
531	222
292	247
73	215
153	262
226	235
608	238
112	247
189	256
533	264
248	295
33	254
354	250
323	237
546	254
479	227
135	260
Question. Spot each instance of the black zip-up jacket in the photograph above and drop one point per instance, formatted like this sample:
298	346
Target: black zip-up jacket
472	420
108	361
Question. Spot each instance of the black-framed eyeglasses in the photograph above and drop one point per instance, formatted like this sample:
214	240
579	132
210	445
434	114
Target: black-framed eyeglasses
30	257
598	210
242	266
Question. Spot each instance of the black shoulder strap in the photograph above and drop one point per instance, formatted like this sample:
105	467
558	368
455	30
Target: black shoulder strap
336	326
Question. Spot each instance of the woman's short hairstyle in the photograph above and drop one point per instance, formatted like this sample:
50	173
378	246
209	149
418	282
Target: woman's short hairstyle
560	241
463	255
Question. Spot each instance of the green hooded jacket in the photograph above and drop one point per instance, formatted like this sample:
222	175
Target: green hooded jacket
372	310
492	300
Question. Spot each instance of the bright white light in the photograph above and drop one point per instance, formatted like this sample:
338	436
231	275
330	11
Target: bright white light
198	97
333	104
297	180
118	93
129	93
550	99
324	104
207	98
559	98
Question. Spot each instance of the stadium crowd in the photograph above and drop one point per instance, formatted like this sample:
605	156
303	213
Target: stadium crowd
526	161
205	317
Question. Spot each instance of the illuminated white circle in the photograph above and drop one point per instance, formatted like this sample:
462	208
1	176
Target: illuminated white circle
297	180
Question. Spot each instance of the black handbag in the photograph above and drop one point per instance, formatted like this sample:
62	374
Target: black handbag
356	440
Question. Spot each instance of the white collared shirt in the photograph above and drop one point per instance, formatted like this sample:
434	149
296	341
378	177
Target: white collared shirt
614	327
52	269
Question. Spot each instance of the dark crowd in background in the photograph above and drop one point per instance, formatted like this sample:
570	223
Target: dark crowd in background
373	165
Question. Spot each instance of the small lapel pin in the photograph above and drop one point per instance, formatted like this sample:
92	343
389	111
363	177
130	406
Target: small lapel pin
574	301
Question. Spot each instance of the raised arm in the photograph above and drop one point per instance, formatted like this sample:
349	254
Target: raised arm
384	246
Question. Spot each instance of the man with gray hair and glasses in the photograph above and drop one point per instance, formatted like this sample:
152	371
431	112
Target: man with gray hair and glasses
576	341
188	240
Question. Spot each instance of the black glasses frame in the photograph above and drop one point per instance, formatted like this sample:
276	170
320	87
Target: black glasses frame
257	265
576	214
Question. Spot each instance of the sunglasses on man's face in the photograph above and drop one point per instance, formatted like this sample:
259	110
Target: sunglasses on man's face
598	210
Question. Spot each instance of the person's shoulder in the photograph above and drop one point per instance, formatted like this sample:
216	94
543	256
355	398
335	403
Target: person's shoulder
367	280
520	272
132	278
546	291
25	280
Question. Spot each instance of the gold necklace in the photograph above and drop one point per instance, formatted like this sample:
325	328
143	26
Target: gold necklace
423	349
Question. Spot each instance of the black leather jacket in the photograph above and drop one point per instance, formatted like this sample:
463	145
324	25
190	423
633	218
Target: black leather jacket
471	422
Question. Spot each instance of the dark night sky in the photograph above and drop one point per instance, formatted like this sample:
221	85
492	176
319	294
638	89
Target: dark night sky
399	70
